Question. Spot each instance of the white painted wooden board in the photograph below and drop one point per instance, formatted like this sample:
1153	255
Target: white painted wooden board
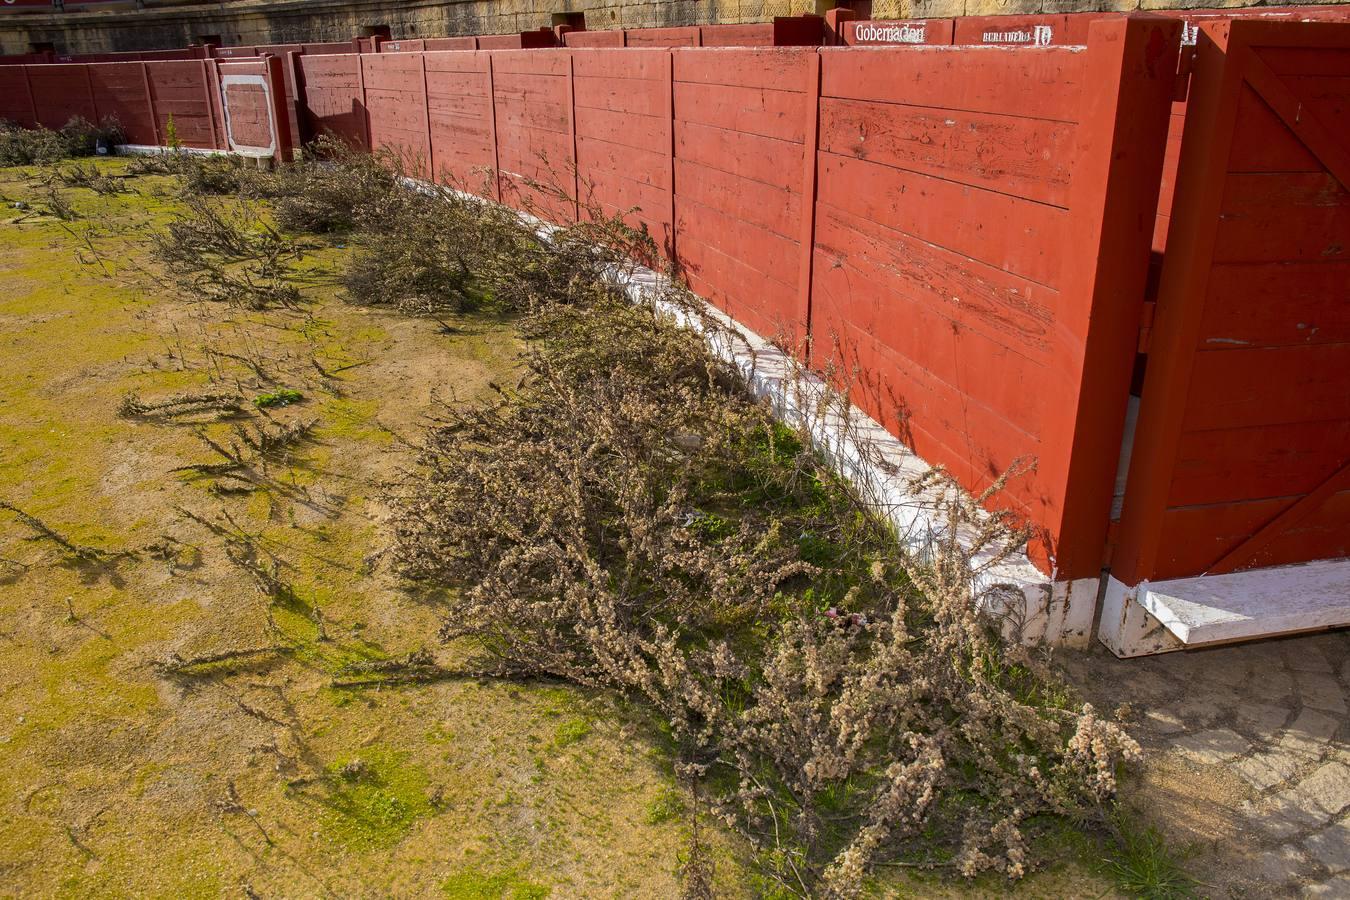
1211	609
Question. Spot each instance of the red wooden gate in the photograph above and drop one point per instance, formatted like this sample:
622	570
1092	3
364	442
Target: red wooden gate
1242	455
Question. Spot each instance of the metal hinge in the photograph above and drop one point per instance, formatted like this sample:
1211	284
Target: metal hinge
1146	325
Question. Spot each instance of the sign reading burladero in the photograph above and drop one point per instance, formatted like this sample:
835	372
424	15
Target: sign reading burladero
872	33
1038	36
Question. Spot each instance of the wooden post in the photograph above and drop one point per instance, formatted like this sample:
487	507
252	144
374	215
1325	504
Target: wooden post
572	127
210	107
1121	138
298	106
281	122
811	137
426	110
32	97
672	251
492	122
150	103
89	86
365	108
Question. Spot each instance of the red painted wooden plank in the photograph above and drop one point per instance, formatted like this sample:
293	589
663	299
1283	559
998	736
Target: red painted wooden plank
777	209
612	38
934	418
762	111
773	255
648	65
621	95
1026	157
1019	236
1276	305
1042	84
662	37
1267	386
1284	217
750	156
777	68
623	129
1239	464
971	295
646	166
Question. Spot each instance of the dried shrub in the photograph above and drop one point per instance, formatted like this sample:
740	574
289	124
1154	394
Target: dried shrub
330	190
37	146
630	518
225	251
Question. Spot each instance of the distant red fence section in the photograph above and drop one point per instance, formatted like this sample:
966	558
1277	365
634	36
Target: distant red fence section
396	107
742	120
333	98
463	140
1243	451
536	140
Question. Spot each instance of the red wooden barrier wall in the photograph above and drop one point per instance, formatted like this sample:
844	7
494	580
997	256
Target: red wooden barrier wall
921	152
1243	451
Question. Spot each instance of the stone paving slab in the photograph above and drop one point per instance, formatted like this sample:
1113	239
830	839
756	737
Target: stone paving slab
1247	757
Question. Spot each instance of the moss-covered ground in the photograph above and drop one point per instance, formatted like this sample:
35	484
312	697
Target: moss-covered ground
169	730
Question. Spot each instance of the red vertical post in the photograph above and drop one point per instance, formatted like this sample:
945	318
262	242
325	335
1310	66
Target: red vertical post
1211	118
572	127
1120	140
811	137
150	103
834	25
365	109
32	97
426	110
89	86
492	125
210	107
296	75
281	122
672	250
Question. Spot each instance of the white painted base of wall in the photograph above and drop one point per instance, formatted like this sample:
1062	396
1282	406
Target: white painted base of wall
1208	610
152	150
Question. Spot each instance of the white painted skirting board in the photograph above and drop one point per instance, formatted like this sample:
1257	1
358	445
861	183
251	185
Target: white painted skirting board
1208	610
152	150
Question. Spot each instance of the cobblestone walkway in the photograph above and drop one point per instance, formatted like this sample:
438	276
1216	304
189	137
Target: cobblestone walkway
1249	758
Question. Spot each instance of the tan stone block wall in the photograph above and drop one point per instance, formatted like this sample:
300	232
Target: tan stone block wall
292	21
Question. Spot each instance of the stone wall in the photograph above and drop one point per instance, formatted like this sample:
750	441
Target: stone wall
289	21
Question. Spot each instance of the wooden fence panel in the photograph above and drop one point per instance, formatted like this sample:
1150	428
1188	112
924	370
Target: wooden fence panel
742	122
1243	451
663	37
612	38
459	92
334	101
61	93
16	97
536	142
395	96
623	137
979	257
181	91
119	92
